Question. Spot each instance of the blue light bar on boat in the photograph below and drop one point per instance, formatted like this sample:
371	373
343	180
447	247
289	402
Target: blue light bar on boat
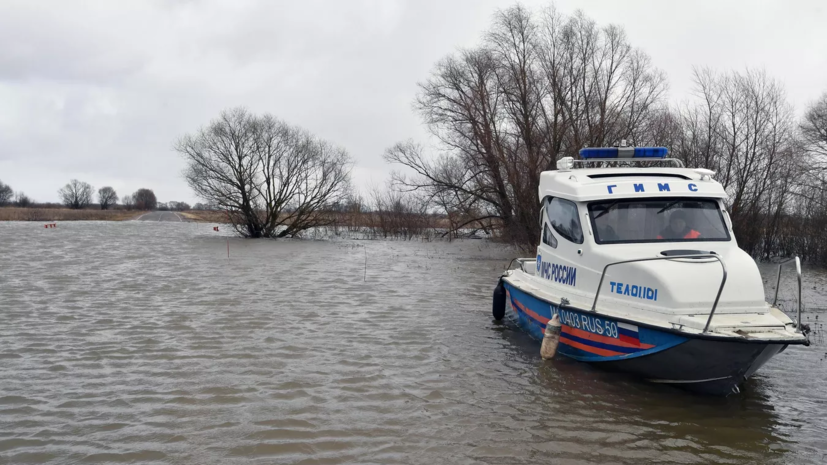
624	152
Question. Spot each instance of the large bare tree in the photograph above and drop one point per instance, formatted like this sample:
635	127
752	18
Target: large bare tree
76	194
107	197
542	86
273	179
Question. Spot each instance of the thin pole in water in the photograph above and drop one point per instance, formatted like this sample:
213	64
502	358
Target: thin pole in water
365	279
227	211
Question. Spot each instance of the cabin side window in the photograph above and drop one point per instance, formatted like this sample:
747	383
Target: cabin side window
548	237
564	219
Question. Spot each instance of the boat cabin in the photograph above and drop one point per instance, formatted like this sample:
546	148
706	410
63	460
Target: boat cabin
624	203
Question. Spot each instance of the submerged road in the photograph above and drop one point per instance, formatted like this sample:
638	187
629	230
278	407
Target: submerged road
162	216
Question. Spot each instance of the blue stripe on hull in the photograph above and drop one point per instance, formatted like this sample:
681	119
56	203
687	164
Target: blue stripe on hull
587	336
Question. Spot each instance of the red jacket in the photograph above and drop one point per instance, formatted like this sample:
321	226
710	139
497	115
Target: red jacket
692	234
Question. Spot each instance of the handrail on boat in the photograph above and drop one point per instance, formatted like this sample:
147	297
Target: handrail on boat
778	286
668	257
521	262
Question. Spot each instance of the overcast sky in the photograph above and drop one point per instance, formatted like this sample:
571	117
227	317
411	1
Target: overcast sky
99	90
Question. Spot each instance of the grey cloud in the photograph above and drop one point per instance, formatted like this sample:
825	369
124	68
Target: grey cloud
42	43
99	90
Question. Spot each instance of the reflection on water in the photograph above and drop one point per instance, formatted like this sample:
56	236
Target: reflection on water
126	342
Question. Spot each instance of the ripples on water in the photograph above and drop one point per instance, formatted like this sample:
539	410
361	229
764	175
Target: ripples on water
128	342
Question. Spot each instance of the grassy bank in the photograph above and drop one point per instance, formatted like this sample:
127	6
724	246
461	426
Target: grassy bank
205	216
67	214
63	214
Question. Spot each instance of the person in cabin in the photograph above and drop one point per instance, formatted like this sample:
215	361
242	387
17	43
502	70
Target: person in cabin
678	228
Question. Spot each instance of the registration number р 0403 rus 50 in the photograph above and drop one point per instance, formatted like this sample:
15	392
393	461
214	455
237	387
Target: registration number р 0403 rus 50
587	323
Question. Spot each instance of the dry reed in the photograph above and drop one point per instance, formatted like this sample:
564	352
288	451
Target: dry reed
64	214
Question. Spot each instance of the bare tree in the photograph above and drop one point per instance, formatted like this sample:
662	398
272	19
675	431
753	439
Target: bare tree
22	200
144	199
6	194
814	127
399	214
272	179
76	194
539	88
128	201
600	89
742	127
806	226
107	197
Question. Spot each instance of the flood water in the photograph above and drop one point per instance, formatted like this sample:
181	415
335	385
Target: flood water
142	342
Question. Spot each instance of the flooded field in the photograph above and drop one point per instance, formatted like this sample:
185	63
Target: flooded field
142	342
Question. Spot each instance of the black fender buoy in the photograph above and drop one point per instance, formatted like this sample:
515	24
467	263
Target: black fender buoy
498	307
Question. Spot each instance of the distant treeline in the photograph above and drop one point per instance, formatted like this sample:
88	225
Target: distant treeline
80	195
543	85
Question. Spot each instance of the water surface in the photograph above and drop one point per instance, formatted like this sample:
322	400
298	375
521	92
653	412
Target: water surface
142	342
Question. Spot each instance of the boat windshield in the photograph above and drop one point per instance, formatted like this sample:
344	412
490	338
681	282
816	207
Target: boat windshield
657	220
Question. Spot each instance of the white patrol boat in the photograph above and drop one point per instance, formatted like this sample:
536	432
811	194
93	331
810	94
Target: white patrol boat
638	260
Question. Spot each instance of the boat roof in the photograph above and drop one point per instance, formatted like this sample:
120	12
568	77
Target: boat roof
588	184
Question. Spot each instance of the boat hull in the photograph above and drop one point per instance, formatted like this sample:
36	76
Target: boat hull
699	364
